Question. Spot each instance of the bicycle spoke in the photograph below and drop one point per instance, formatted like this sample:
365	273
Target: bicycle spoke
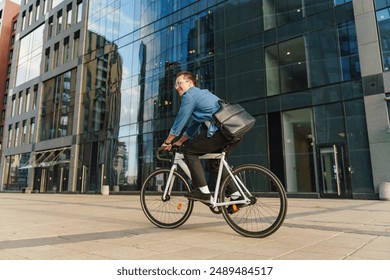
266	215
175	209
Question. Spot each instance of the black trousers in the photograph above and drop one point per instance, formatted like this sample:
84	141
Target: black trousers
201	145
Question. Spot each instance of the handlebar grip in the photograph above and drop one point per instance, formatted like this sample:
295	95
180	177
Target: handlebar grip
158	154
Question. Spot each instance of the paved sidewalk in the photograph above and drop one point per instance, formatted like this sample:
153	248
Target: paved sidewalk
93	227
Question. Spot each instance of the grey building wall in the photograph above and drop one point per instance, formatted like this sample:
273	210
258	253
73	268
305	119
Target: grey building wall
375	83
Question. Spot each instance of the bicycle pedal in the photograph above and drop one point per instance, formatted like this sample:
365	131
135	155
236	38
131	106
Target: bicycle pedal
233	208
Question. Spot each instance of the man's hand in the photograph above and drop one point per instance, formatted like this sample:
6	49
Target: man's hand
166	146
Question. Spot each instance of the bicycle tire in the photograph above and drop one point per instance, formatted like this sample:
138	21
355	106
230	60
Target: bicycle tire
175	209
267	210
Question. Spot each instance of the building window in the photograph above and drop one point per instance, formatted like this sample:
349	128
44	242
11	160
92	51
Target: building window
55	3
35	97
277	13
30	15
383	23
79	10
23	20
58	106
350	65
32	129
16	142
59	22
66	47
37	10
341	2
27	102
20	103
47	60
56	55
44	6
9	141
24	133
13	108
331	52
69	15
76	43
286	67
29	57
50	28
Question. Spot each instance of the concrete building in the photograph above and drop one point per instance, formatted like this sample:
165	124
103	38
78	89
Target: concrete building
98	78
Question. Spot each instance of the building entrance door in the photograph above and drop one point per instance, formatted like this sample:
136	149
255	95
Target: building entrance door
332	168
299	150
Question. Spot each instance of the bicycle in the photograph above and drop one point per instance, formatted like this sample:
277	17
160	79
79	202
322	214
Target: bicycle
259	213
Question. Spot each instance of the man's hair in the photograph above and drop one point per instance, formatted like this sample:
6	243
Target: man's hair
187	75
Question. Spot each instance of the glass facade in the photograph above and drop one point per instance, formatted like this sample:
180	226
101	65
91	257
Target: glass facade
382	8
30	56
57	106
293	64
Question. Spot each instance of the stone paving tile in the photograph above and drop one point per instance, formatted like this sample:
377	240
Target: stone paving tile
47	226
366	254
45	252
380	243
306	255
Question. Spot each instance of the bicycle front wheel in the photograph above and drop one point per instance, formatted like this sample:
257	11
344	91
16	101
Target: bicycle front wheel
170	211
268	207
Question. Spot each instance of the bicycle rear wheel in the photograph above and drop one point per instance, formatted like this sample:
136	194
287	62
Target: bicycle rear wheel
169	212
268	207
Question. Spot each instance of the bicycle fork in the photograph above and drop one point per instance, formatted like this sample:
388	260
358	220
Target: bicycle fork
171	179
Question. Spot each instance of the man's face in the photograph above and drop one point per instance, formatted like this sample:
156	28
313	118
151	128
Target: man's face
182	85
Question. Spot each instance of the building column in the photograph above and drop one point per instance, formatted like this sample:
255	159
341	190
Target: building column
375	84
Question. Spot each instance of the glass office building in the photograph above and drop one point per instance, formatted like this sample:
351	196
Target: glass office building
99	80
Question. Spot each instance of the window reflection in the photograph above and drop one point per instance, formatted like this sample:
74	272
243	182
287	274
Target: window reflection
340	2
54	3
102	113
332	53
16	178
383	20
58	106
28	65
277	13
147	99
286	67
350	65
135	48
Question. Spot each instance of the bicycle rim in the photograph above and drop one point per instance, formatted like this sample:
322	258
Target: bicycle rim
172	211
268	208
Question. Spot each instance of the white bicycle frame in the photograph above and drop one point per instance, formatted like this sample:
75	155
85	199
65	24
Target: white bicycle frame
179	161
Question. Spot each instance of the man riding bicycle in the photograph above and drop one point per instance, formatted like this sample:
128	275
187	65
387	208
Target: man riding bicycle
198	107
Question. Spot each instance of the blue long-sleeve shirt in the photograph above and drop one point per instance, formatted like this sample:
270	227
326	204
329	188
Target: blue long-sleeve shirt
197	106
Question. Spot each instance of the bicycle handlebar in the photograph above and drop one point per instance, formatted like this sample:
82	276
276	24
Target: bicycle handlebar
169	155
159	152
